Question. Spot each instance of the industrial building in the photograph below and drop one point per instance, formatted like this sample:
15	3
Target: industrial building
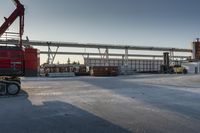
133	65
158	92
193	66
127	62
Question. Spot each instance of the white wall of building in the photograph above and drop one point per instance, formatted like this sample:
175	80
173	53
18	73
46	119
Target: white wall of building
192	67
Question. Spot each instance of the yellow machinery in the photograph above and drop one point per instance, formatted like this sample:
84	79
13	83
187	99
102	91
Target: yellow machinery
174	67
178	68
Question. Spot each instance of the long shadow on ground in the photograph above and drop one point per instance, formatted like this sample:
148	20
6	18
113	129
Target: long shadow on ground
18	115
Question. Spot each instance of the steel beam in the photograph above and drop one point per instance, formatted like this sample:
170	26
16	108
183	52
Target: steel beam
90	45
110	54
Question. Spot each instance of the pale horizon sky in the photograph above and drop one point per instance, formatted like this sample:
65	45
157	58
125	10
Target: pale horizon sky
163	23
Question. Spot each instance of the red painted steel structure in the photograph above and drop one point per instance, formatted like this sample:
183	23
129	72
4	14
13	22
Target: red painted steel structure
18	12
15	61
32	61
12	58
11	61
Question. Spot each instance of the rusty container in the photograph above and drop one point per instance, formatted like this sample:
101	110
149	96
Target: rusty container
104	71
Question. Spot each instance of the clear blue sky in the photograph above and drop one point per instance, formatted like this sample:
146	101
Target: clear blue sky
167	23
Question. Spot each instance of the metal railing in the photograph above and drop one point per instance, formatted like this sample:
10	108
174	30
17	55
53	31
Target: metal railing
9	36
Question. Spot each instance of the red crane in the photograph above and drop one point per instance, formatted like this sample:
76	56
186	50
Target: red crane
15	61
18	12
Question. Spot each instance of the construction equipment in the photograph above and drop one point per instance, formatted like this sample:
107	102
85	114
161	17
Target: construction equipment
14	58
178	68
165	68
173	67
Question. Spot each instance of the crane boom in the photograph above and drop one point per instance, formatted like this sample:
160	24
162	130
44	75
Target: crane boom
18	12
16	2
